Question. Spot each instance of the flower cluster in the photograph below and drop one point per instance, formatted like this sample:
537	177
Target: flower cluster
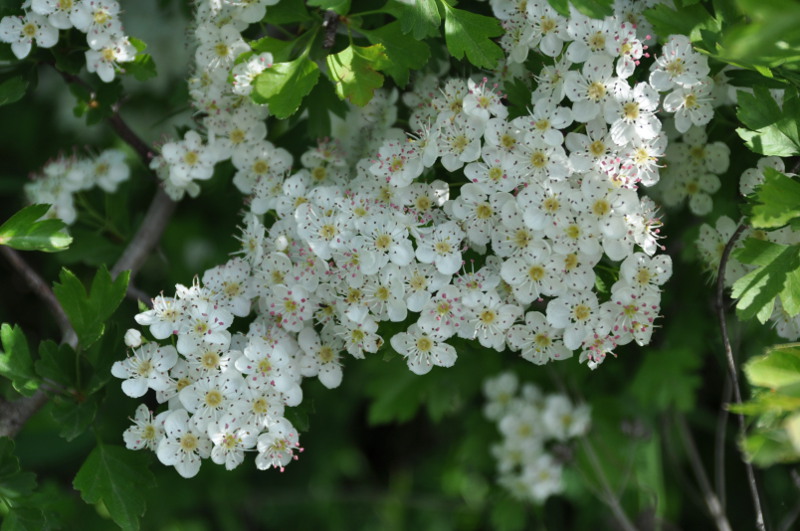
472	224
98	19
531	424
61	178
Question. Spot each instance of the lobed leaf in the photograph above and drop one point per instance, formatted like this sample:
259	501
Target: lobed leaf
116	477
89	312
770	129
12	90
284	86
26	232
16	363
470	34
403	52
421	18
777	275
354	72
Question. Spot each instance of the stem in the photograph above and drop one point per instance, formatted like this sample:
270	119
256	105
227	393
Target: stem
610	499
712	502
737	393
153	225
719	446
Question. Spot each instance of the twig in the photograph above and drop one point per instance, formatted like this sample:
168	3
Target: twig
131	138
712	502
737	394
153	225
41	289
719	442
610	499
14	414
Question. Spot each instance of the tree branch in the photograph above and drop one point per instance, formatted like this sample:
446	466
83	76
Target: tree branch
712	501
153	225
608	494
737	393
14	414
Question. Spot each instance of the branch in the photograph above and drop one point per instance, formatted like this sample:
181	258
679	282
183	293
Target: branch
14	414
608	494
711	499
153	225
737	394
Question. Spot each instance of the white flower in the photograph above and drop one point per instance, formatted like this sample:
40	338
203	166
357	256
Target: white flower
105	59
231	438
98	19
562	420
184	445
678	65
245	72
166	317
145	432
21	31
276	447
692	105
631	113
537	341
442	247
423	347
147	368
189	160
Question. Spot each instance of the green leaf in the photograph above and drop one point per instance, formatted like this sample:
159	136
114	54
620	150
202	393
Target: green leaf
280	50
507	514
284	86
471	34
16	363
341	7
14	483
766	37
689	21
597	9
89	312
404	52
778	201
57	363
767	447
73	417
561	6
767	402
770	130
287	12
321	103
757	290
142	67
354	72
421	18
12	90
116	477
780	367
22	231
26	519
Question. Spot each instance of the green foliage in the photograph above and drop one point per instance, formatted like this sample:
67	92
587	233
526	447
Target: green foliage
25	231
777	274
16	363
422	18
403	53
470	34
339	6
142	67
690	21
97	105
14	483
89	312
777	201
769	129
597	9
284	86
117	478
354	72
12	90
668	379
766	37
776	408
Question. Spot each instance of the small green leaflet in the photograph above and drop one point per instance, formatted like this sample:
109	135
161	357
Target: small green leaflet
284	86
354	72
22	231
16	363
421	18
597	9
780	367
27	519
471	34
339	6
770	130
14	483
778	201
778	274
89	312
117	477
12	90
404	52
72	417
142	67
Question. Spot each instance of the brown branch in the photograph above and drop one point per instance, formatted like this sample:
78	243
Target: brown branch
712	501
737	393
146	238
131	138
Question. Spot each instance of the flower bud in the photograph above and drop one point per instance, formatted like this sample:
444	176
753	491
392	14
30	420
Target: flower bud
133	338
